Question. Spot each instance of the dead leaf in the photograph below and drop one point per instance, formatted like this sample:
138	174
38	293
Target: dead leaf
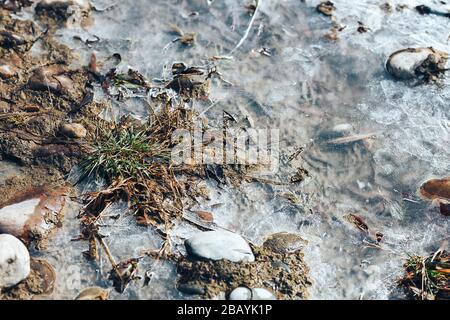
357	222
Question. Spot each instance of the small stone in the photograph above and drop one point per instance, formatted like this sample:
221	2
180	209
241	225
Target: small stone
240	293
74	130
14	261
15	217
32	214
243	293
53	78
220	245
93	293
284	242
192	289
416	63
262	294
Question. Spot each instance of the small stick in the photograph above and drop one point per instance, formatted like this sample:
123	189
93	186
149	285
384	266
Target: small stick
258	3
108	253
208	108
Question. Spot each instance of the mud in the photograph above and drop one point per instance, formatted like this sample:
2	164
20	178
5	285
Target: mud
42	95
285	273
39	93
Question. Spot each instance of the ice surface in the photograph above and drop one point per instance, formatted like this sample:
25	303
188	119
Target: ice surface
307	86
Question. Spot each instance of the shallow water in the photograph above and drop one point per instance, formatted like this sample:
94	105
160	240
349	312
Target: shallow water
306	87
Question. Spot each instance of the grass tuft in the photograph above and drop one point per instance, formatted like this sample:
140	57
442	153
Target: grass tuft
427	278
126	153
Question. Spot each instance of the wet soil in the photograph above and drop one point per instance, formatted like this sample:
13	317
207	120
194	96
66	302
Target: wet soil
285	273
39	284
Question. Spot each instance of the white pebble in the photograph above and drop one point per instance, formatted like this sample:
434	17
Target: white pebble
14	261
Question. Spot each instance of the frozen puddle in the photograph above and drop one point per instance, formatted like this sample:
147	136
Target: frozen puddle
305	87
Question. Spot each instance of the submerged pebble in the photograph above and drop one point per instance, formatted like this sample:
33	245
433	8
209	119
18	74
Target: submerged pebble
74	130
413	63
14	261
219	245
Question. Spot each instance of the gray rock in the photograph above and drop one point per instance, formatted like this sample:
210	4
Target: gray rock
220	245
408	63
54	78
241	293
14	261
190	288
262	294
